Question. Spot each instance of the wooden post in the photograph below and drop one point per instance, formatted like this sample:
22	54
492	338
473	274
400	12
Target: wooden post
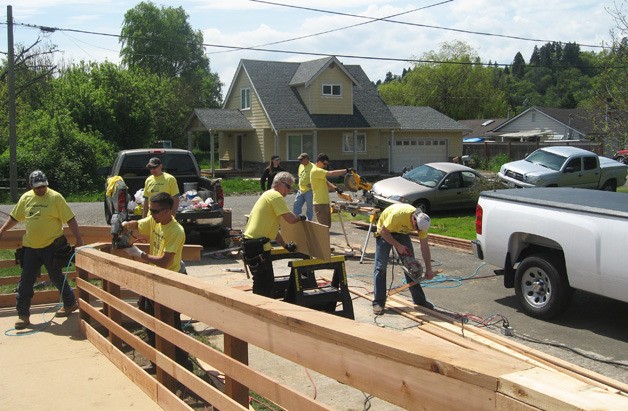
238	350
113	314
83	295
164	346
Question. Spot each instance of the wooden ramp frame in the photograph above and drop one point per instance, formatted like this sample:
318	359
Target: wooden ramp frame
427	370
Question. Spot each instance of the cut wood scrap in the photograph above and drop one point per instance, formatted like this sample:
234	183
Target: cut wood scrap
399	289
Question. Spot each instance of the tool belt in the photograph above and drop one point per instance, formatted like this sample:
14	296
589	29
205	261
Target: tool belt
63	252
253	251
19	256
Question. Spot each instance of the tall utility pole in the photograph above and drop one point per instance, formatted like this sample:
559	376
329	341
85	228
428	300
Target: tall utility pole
12	138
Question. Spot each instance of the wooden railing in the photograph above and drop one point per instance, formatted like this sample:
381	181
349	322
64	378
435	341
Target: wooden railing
411	370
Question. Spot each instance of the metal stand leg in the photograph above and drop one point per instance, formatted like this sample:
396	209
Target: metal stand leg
366	242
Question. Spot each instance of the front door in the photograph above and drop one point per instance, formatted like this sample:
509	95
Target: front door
238	153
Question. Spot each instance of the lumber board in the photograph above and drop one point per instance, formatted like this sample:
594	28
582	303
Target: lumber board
311	238
7	263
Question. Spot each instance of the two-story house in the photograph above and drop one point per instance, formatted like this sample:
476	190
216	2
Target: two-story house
319	106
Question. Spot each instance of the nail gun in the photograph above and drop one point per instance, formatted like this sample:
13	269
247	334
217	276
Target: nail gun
120	238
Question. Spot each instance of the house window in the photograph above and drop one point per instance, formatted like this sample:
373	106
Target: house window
347	143
245	98
332	90
300	143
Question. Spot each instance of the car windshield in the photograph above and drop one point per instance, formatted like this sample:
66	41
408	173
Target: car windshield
425	175
546	159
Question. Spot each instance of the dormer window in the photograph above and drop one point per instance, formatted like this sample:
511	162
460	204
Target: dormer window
332	90
245	98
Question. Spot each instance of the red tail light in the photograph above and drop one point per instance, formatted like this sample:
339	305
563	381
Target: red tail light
122	200
220	196
478	219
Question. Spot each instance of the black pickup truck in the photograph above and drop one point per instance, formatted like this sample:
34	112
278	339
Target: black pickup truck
211	223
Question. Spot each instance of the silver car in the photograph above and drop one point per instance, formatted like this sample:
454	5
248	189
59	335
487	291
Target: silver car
432	186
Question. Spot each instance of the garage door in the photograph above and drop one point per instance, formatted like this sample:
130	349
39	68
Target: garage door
414	151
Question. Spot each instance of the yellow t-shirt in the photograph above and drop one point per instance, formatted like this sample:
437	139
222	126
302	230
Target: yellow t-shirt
164	183
397	218
320	191
265	215
43	217
304	177
168	238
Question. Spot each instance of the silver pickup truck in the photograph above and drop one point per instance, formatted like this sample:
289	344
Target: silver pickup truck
549	241
564	166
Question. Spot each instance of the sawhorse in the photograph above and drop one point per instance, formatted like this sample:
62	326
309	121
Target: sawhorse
303	289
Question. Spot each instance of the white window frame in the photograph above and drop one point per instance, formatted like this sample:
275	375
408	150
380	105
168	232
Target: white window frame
245	98
335	90
347	142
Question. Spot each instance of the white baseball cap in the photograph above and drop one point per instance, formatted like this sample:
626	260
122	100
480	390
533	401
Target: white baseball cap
422	220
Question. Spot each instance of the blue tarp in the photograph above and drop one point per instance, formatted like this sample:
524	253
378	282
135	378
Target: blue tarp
473	140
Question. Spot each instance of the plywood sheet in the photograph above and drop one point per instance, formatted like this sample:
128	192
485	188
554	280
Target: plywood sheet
311	238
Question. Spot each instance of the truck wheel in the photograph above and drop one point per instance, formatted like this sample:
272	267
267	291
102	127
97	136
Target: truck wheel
609	186
423	205
542	287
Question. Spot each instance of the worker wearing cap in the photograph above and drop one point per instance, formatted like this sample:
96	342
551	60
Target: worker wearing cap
393	226
321	188
159	182
43	211
304	195
262	227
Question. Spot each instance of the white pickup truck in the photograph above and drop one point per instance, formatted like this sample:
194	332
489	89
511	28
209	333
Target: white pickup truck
549	241
564	166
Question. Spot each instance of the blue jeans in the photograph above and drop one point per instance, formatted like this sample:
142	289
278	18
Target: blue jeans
34	258
382	253
304	198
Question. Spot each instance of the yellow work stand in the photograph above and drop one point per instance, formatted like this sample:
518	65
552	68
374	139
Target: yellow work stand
302	288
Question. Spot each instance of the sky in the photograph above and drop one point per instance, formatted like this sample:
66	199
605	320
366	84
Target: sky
378	46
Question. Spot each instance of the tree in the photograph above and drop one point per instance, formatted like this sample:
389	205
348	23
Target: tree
161	41
518	66
452	81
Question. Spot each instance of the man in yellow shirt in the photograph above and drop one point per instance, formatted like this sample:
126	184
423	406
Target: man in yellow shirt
159	182
304	195
43	212
262	227
393	226
166	237
321	187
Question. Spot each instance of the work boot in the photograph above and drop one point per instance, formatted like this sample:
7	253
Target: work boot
378	309
22	322
66	311
426	304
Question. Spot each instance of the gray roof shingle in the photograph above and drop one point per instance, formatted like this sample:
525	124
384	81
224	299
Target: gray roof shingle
286	110
222	119
424	118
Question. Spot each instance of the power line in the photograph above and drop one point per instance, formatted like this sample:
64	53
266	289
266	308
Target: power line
480	33
279	51
371	20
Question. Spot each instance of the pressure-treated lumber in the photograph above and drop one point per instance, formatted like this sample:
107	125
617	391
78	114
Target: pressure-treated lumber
378	361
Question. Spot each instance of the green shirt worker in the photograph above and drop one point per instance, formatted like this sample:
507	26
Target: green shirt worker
321	188
393	228
43	211
304	195
262	227
159	182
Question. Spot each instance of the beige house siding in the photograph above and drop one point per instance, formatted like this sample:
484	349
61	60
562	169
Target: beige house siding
320	104
306	95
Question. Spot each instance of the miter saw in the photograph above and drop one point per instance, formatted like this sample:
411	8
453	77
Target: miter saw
353	182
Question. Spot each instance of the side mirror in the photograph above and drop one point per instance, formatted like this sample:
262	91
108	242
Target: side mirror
569	170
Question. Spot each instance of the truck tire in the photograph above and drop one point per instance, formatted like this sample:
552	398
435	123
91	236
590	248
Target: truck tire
610	185
542	287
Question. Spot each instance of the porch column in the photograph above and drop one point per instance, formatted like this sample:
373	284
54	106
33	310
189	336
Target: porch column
391	143
211	150
355	149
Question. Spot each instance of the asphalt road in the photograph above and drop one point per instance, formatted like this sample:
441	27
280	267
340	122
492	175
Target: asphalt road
594	326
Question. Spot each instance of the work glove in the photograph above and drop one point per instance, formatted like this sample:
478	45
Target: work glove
302	217
339	191
133	251
291	246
